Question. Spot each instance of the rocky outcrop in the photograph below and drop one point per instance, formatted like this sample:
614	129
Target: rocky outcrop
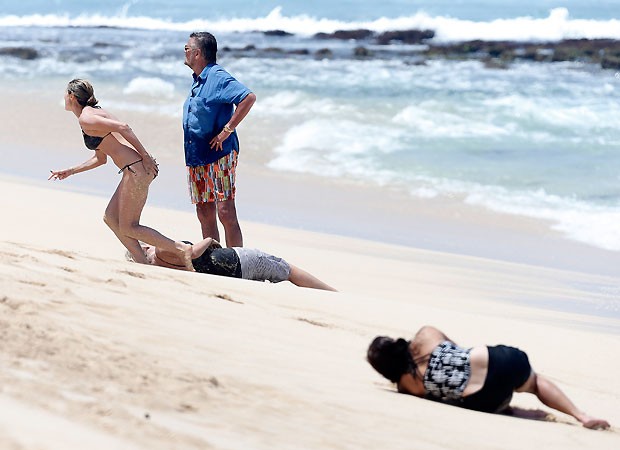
324	53
493	54
405	36
611	62
597	51
20	52
346	35
361	52
279	33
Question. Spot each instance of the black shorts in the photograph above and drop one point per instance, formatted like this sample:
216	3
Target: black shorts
509	369
218	261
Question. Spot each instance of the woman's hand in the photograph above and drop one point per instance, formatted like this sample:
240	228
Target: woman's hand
60	174
150	165
215	244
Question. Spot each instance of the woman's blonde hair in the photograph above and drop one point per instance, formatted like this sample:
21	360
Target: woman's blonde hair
83	91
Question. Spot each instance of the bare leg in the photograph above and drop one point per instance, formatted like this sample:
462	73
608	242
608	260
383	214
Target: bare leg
302	278
111	220
133	190
207	216
551	395
227	213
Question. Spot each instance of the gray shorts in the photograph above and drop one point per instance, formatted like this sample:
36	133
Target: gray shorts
260	266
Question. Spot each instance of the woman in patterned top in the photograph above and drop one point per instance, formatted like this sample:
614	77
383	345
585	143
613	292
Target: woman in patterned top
479	378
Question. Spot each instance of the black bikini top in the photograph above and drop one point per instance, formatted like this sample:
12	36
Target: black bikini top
92	142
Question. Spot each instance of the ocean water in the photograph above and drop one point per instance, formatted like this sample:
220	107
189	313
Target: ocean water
537	139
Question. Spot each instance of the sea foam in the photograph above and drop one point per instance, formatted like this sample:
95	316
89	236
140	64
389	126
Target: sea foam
154	87
556	26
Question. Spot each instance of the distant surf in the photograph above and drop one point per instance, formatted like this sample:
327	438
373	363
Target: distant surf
556	26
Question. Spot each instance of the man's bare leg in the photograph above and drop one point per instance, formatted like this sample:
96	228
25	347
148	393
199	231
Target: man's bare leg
207	216
227	213
302	278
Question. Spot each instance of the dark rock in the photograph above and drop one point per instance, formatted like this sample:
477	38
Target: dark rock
20	52
493	54
272	50
459	50
611	62
346	35
405	36
108	45
280	33
324	53
361	52
416	62
586	49
470	46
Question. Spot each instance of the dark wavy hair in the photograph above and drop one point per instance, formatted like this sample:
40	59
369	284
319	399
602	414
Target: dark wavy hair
391	358
83	91
207	44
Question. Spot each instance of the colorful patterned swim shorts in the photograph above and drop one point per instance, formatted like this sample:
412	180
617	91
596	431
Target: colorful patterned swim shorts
213	182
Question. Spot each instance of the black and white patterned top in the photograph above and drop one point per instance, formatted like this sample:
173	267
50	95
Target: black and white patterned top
448	372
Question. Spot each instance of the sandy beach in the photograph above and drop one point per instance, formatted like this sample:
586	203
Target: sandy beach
102	353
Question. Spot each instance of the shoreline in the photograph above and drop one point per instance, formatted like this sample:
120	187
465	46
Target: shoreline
311	203
602	308
299	201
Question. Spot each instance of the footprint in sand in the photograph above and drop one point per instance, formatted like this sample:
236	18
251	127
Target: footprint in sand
314	322
133	274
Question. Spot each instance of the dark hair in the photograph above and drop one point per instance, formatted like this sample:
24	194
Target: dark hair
207	44
389	357
83	91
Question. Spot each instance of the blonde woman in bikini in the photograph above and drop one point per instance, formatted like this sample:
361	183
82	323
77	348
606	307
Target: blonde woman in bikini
107	136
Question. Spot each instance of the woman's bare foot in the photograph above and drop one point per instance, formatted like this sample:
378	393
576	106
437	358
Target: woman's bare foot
593	423
596	424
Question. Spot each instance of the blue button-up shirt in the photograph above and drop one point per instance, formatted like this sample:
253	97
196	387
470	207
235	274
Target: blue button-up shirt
207	109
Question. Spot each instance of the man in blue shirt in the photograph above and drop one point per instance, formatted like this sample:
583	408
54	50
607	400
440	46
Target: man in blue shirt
217	103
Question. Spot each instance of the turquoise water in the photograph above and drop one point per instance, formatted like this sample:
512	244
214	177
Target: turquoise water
345	10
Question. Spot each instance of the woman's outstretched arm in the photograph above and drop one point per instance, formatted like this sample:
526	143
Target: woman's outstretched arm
98	159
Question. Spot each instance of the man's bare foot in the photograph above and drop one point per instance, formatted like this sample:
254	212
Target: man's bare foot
185	253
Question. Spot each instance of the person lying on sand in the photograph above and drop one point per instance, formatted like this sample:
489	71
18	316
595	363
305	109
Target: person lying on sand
479	378
208	256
